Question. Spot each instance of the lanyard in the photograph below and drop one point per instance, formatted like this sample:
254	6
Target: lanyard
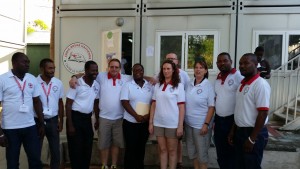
47	93
21	88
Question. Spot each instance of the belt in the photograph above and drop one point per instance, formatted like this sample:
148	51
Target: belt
49	119
82	114
226	117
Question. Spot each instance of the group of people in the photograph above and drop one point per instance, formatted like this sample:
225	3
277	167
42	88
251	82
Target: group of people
129	108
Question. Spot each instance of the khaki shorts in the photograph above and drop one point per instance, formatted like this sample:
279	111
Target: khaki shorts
165	132
197	145
110	133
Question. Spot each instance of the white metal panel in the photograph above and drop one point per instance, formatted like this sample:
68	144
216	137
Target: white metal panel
95	1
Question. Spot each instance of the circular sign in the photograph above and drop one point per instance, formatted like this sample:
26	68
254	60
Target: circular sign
75	56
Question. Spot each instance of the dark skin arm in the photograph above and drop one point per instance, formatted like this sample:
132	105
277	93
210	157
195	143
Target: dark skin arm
96	111
131	111
259	124
231	134
3	139
61	115
268	67
37	104
70	128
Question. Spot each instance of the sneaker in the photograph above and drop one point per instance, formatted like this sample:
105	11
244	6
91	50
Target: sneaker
113	167
104	167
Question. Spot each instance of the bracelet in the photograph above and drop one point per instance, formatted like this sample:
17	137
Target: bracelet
252	142
206	124
74	76
2	136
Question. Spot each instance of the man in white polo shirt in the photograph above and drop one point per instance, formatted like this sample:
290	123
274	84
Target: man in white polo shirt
249	133
80	104
52	91
19	96
226	84
111	112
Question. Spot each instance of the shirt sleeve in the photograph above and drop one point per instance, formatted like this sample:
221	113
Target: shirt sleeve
98	94
1	89
186	80
61	94
125	92
181	94
262	95
126	78
71	94
211	95
37	89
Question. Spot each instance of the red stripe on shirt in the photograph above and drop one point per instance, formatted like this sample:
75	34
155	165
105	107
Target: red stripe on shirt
263	108
181	103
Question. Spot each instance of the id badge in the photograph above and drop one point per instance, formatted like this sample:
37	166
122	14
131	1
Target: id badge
24	109
47	112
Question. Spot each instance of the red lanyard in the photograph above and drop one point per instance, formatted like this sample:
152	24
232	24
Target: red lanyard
47	93
21	88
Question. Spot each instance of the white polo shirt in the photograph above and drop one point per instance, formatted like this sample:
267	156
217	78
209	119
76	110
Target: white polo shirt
184	77
55	91
225	88
110	90
11	98
84	96
197	101
135	94
167	99
252	95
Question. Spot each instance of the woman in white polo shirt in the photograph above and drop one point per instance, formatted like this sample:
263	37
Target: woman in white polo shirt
136	97
167	113
199	112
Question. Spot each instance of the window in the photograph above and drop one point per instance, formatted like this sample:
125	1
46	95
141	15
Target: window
189	46
280	46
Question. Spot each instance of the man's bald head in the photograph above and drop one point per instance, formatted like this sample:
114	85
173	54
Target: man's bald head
173	57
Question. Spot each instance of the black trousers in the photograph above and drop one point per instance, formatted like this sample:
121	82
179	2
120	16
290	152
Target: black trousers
80	145
136	136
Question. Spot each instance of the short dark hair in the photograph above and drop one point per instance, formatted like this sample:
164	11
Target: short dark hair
114	60
252	57
204	64
43	62
138	64
259	49
16	56
225	53
88	64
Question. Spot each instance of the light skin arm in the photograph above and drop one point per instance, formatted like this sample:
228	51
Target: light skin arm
152	110
210	114
60	114
73	81
131	111
37	104
259	124
180	121
96	111
70	127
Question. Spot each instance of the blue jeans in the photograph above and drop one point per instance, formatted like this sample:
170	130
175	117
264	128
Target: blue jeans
29	138
253	159
225	152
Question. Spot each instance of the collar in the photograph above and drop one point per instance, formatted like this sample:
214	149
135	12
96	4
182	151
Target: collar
145	82
165	85
10	74
224	76
110	77
40	80
248	81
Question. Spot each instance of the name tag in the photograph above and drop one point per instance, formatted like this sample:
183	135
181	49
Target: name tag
24	109
47	112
